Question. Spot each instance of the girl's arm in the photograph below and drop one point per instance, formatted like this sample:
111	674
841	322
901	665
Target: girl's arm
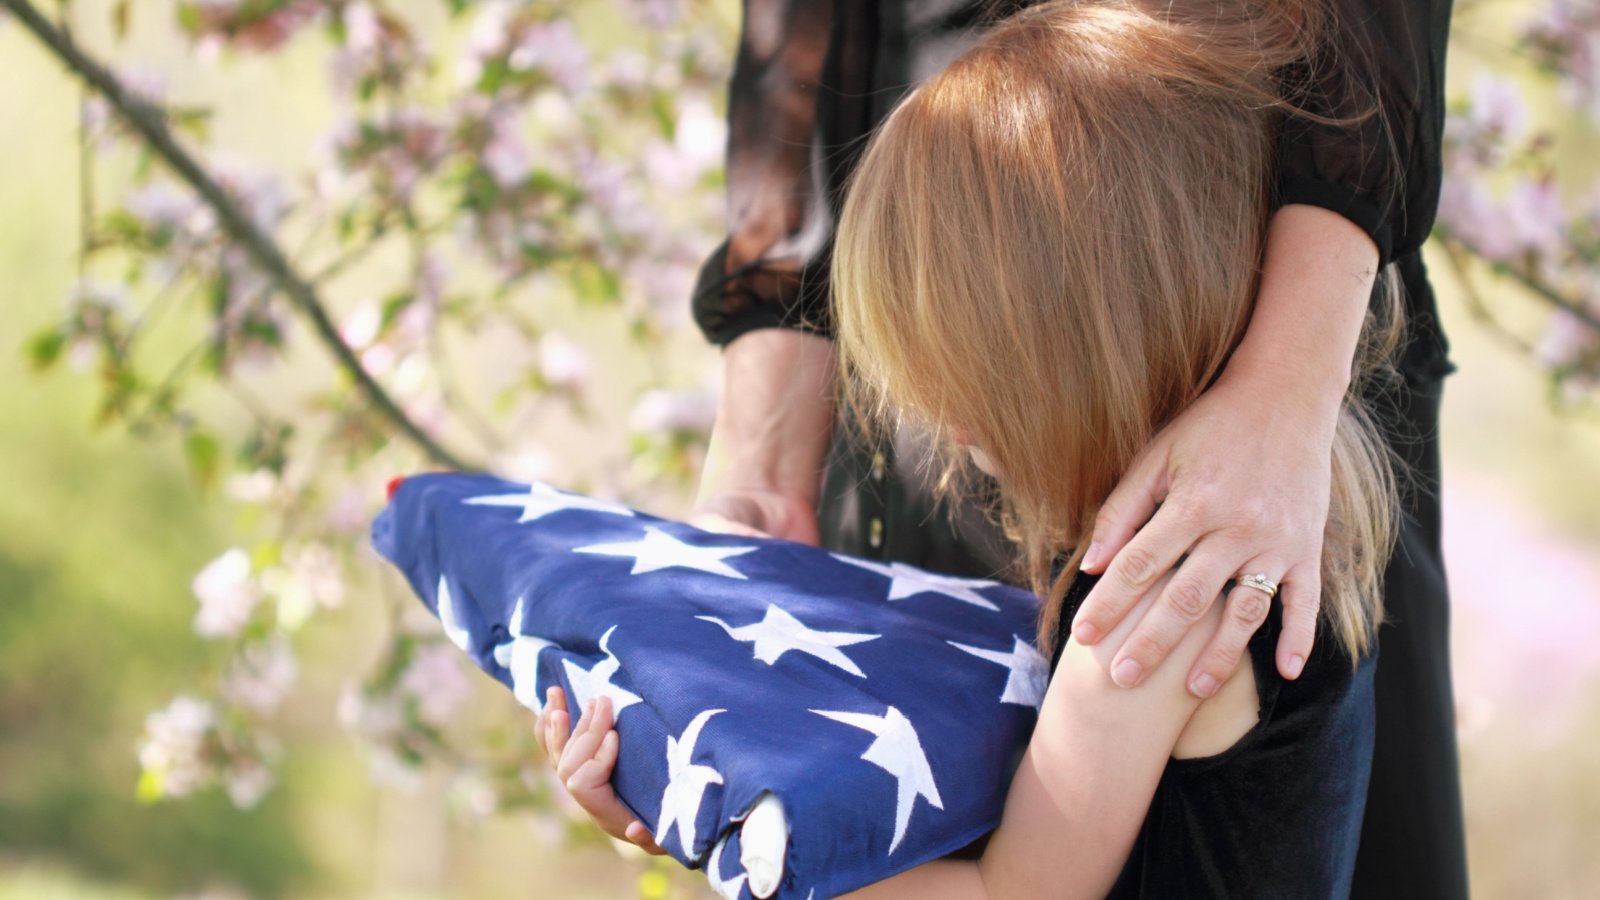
1075	804
1085	783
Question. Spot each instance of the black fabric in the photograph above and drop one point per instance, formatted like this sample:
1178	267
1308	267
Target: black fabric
812	78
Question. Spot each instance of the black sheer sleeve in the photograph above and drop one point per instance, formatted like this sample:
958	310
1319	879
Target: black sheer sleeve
797	99
1382	172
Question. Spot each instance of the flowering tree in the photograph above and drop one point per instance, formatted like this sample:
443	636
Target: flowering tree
487	158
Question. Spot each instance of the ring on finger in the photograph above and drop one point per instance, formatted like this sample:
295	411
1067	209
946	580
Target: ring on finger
1259	582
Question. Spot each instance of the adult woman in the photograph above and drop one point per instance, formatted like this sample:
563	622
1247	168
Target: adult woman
1248	464
1085	197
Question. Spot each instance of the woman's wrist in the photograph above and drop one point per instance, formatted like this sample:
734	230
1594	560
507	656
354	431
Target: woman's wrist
1316	284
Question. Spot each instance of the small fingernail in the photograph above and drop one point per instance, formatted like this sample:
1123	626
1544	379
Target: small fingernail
1203	686
1296	663
1085	632
1091	557
1127	673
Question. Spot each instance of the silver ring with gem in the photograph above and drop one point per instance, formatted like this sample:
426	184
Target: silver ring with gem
1260	582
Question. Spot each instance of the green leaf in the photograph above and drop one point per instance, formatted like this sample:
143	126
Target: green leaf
203	453
45	347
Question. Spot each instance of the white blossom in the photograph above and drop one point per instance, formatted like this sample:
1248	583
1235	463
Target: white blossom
227	595
173	747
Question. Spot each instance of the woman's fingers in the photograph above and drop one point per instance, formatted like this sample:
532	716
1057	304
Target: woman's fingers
1131	503
1302	599
1151	553
1182	602
1246	609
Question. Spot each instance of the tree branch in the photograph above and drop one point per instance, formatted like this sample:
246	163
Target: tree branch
151	124
1529	283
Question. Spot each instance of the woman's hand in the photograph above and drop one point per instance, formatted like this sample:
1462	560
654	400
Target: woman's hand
763	468
1241	487
1239	482
755	512
583	762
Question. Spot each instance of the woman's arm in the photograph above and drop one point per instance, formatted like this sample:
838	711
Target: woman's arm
1240	481
763	471
1242	477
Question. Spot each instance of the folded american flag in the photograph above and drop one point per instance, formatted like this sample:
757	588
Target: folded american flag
876	710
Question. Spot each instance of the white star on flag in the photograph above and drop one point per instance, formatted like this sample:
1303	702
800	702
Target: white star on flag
659	550
728	888
686	784
1027	676
541	500
779	632
597	681
447	617
908	581
521	656
898	751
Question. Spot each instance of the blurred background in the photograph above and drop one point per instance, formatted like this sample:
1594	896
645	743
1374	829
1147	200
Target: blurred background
208	686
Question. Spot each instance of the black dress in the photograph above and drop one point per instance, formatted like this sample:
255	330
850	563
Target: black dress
1278	814
811	80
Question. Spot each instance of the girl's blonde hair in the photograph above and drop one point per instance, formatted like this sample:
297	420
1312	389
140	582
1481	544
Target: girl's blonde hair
1056	243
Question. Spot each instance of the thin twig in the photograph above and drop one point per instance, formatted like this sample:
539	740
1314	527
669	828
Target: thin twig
151	124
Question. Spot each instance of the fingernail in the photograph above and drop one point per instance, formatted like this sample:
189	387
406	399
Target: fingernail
1085	632
1127	672
1296	663
1091	557
1203	686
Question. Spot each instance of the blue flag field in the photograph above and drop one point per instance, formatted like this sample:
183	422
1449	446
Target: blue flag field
878	710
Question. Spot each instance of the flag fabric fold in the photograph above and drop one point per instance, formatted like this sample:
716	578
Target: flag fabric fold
883	707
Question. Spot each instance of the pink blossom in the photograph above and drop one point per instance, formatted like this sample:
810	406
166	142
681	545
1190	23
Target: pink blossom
1495	106
555	49
435	679
1566	338
1534	216
260	675
656	13
247	781
563	363
1468	210
362	30
661	411
505	154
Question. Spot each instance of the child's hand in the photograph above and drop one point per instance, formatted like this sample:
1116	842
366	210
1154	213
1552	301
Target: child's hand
583	762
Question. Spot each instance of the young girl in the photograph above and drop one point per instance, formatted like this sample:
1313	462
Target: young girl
1048	251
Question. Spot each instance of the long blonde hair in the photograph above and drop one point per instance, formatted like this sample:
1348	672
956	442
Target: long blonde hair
1055	244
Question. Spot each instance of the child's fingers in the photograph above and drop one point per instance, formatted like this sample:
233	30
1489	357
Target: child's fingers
640	835
557	730
590	786
584	743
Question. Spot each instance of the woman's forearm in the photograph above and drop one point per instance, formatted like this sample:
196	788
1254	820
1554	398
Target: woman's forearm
775	416
1316	282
